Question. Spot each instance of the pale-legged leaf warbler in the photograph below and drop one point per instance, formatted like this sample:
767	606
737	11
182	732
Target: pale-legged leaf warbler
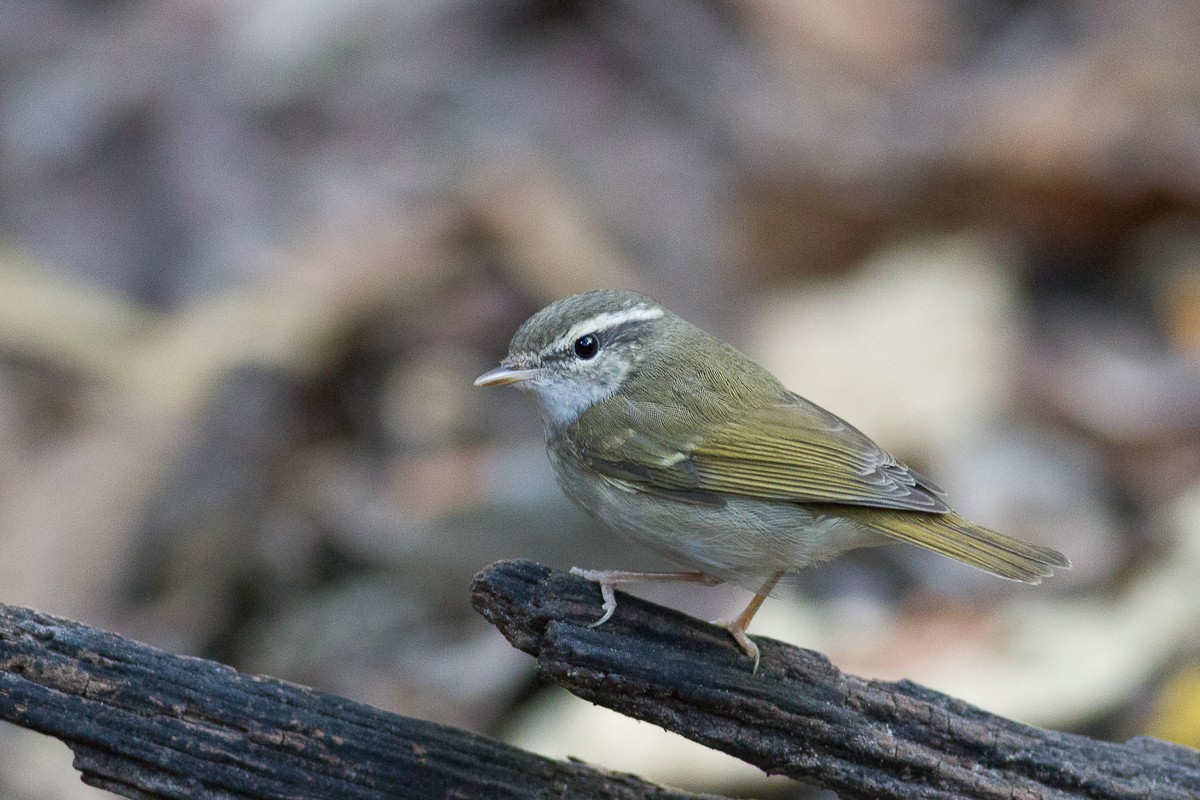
672	437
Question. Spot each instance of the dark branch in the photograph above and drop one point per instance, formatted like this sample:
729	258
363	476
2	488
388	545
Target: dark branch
799	715
148	724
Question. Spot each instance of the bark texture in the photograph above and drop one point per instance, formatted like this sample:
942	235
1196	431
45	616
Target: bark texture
799	715
144	723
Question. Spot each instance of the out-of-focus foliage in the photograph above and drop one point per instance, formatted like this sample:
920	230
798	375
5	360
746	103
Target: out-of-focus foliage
1177	708
253	254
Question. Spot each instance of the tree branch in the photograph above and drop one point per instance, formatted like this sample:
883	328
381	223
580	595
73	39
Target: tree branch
148	724
799	715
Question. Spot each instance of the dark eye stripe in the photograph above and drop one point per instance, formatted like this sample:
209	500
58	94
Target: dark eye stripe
614	336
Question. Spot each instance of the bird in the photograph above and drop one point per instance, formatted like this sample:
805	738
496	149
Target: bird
676	440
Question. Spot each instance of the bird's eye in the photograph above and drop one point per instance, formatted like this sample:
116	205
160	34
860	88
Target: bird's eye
587	346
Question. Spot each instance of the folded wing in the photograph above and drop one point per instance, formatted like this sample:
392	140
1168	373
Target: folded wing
792	452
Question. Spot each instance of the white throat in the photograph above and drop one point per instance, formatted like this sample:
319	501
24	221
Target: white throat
562	402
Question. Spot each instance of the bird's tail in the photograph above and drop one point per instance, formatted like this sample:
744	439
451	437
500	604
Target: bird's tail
960	539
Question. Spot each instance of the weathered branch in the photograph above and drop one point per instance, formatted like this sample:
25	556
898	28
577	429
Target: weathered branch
802	717
148	724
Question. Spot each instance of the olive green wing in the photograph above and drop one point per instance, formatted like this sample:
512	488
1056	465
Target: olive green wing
794	452
640	463
799	452
803	453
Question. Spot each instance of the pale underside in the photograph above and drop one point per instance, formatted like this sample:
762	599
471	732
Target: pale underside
743	542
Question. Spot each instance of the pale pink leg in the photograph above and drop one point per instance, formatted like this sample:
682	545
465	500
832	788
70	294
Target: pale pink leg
610	578
737	627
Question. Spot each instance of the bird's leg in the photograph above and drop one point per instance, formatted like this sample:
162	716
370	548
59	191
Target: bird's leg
737	626
610	578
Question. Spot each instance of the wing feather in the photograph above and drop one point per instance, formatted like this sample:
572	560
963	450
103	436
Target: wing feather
801	452
793	451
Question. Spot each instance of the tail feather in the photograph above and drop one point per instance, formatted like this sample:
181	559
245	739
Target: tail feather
962	540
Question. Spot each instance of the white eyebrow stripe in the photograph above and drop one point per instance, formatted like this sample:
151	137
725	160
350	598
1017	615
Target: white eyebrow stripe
605	321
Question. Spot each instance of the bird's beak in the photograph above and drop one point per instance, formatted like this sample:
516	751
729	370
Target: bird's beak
505	374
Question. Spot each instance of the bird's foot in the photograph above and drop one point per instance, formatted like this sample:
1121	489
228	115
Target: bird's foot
604	578
609	579
745	642
737	626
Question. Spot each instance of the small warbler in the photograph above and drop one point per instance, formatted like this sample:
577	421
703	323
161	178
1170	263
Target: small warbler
674	438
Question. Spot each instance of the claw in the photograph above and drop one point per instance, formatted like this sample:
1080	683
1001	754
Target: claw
737	627
607	594
737	630
745	642
609	605
607	580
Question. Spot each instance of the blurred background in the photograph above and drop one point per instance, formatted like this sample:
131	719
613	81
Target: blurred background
252	255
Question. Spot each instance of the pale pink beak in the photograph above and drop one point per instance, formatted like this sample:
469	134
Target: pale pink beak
504	375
